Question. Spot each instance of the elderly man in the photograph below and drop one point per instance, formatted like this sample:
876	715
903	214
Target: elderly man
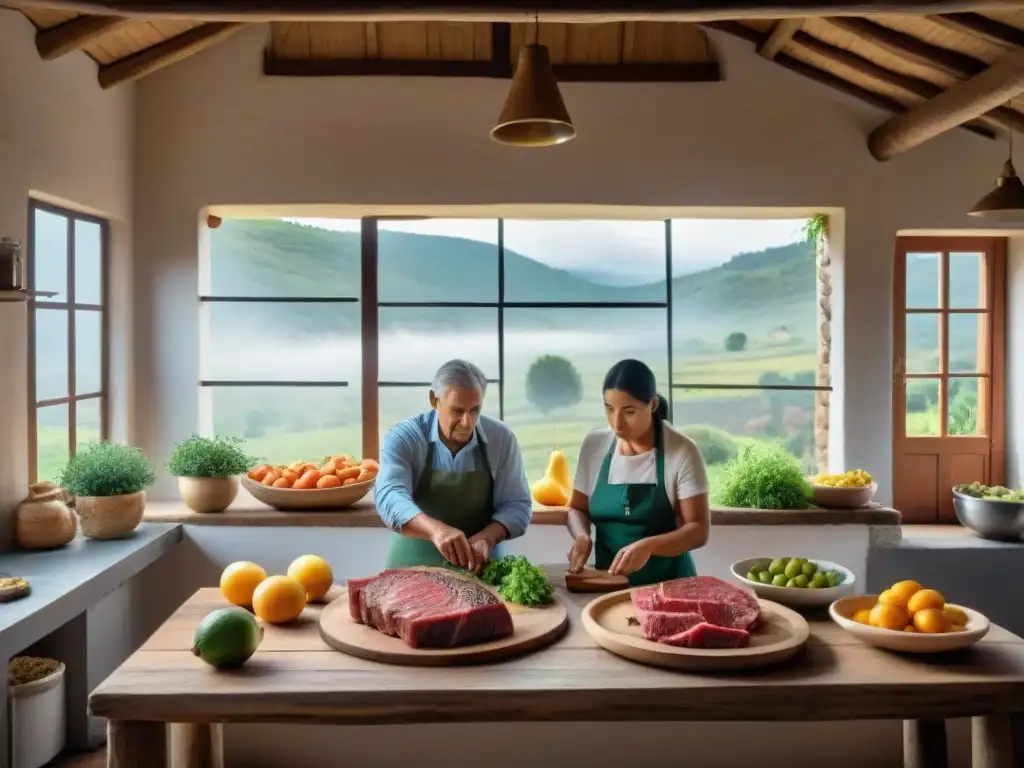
452	482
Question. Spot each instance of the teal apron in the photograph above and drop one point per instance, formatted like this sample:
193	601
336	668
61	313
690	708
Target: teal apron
624	514
463	500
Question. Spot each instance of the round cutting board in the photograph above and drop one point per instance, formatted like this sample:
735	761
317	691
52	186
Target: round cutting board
533	628
781	634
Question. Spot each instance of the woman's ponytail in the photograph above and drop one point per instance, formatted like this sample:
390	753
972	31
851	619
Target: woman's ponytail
661	412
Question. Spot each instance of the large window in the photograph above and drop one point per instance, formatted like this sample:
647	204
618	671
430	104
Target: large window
724	312
67	340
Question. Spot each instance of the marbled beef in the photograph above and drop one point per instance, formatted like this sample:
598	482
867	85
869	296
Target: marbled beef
429	609
686	612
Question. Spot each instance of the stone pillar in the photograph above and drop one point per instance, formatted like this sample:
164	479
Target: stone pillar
823	377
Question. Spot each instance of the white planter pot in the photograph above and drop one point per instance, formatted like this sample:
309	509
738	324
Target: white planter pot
37	720
208	494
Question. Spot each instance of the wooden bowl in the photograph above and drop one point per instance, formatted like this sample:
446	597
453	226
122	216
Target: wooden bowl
831	497
110	517
287	499
842	612
794	596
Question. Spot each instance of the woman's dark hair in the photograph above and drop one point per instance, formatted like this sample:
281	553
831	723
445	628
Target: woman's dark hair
636	380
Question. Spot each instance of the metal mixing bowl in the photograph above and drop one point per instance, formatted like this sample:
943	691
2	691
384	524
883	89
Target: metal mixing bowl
1003	520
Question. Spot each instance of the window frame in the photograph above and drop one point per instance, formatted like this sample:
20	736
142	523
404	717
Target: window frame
69	306
370	305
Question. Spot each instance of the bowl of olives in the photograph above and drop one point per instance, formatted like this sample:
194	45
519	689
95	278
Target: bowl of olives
795	581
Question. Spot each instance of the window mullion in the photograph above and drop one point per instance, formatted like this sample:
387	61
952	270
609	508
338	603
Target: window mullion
501	319
370	335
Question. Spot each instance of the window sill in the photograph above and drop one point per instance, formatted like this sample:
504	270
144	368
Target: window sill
248	512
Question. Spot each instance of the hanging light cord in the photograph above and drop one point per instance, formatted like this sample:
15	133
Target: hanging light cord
536	27
1010	131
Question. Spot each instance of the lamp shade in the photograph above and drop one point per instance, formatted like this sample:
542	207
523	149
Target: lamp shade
534	114
1006	201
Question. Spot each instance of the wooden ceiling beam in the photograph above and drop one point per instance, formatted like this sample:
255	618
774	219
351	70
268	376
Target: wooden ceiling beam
1001	117
508	10
497	67
834	82
781	34
981	26
962	102
951	63
75	34
170	51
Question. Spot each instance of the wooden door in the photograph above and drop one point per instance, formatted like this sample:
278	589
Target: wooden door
949	315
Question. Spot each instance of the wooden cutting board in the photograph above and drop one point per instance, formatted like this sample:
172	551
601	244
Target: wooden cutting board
592	580
782	633
533	628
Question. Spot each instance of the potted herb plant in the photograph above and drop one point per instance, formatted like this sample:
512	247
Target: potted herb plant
764	477
207	469
108	481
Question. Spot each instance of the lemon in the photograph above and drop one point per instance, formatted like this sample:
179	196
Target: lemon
955	615
278	600
239	580
924	599
314	574
932	621
863	616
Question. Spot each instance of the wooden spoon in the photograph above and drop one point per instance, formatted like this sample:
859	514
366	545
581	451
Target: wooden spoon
592	580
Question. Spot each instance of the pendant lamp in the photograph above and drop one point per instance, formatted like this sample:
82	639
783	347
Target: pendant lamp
1006	201
534	114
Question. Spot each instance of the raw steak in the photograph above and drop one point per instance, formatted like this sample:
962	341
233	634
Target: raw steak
429	609
717	601
656	624
706	635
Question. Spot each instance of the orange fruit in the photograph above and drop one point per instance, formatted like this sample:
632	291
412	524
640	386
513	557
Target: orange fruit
956	615
278	600
901	592
924	599
958	628
888	617
328	481
910	628
888	597
932	621
314	574
239	580
863	616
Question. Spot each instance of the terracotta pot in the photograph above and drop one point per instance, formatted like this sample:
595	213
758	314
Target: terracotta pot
43	519
208	494
110	517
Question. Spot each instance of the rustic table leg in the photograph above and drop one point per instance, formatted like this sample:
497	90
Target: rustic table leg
136	744
197	745
992	742
924	744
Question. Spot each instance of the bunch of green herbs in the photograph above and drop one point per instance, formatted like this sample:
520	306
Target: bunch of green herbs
517	580
764	477
210	457
107	469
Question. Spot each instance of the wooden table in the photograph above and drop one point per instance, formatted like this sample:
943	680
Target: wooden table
296	678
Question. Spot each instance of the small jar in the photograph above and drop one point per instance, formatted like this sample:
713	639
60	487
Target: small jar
44	520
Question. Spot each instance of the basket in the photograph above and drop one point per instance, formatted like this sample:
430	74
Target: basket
110	517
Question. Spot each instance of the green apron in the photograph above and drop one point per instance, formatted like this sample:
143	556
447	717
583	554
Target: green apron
463	500
624	514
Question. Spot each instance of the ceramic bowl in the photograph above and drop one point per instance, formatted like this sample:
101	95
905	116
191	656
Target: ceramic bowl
287	499
842	612
794	596
832	497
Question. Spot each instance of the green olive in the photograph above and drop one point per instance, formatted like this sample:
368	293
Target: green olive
779	580
793	569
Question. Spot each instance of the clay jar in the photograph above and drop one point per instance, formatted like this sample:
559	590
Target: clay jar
43	519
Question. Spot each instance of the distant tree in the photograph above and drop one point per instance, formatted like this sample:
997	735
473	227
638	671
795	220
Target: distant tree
736	341
552	382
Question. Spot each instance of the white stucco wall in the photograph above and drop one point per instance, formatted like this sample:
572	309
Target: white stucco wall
762	137
66	141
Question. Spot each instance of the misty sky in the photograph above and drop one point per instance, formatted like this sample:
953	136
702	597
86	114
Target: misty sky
697	244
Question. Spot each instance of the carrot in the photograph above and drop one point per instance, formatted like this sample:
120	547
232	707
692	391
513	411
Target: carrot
369	464
291	475
258	473
348	481
329	468
328	481
270	478
363	476
345	474
283	482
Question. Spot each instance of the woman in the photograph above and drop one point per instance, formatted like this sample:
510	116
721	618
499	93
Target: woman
643	485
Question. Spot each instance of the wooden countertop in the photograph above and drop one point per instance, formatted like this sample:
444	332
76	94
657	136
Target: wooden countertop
295	677
248	511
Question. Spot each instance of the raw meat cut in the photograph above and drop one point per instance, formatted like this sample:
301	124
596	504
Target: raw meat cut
657	624
706	635
717	601
429	609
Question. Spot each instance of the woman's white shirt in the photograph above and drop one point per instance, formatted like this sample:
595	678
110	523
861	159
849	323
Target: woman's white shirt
686	475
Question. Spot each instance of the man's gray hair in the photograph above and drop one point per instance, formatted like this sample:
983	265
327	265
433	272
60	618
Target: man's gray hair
458	373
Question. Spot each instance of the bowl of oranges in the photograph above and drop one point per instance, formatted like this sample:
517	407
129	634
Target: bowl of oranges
336	482
910	618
